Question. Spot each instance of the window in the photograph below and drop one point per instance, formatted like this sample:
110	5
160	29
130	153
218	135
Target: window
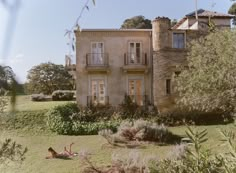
98	91
134	53
178	40
97	53
135	90
168	86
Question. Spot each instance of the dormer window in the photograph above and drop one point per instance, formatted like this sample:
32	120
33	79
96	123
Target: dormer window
178	40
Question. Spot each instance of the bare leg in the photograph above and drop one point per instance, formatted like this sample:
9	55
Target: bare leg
66	151
70	151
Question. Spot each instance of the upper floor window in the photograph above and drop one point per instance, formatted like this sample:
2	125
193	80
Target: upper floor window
134	53
178	40
97	53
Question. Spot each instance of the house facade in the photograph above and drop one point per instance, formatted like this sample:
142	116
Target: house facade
139	63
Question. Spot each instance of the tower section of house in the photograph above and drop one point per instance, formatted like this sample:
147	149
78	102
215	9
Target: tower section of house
170	50
112	63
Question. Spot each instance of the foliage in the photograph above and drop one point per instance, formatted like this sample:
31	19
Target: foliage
48	77
11	151
183	117
232	10
208	84
137	22
63	95
8	84
141	130
68	119
58	118
4	100
133	163
194	158
30	121
38	97
174	22
130	110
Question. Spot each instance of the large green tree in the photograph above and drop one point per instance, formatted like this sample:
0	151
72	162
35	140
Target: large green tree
137	22
209	82
48	77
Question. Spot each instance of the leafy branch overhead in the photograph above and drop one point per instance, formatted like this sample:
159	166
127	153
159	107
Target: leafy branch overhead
70	32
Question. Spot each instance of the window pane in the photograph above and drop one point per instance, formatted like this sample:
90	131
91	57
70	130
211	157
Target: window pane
168	86
178	40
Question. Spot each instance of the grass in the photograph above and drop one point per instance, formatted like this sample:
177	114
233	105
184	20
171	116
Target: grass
39	142
38	145
24	103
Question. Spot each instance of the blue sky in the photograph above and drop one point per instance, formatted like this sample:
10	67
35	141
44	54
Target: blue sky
38	33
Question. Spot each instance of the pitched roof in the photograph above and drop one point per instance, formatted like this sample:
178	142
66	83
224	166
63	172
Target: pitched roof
205	13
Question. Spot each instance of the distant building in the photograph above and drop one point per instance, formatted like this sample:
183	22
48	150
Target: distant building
140	63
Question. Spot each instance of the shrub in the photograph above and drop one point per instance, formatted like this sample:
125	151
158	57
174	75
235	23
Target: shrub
69	120
143	131
38	97
32	121
194	117
92	128
133	163
59	118
63	95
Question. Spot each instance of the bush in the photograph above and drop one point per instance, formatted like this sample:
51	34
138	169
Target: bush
38	97
33	121
92	128
59	118
198	118
197	159
63	95
67	119
142	131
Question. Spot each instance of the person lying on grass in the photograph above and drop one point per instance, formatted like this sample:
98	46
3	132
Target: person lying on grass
62	155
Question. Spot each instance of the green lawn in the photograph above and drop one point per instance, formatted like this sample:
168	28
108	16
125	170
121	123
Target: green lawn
24	103
38	144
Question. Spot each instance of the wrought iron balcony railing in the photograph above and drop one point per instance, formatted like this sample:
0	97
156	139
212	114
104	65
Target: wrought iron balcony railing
135	58
140	100
97	100
97	59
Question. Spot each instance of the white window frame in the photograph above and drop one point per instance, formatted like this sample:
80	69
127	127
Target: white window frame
103	49
141	50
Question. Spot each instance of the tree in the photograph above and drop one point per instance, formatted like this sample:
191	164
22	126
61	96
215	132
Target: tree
137	22
174	22
232	10
209	82
48	77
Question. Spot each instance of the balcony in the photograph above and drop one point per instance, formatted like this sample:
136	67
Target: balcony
97	62
135	62
97	100
140	100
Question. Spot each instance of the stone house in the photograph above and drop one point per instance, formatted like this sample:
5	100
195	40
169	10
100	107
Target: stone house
140	63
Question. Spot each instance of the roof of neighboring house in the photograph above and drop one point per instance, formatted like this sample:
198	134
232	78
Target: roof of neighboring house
115	30
202	13
205	13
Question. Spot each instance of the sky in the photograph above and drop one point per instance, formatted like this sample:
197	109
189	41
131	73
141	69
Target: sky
37	28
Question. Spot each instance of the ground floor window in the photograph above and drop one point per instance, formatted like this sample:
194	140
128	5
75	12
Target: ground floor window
168	86
135	90
97	91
